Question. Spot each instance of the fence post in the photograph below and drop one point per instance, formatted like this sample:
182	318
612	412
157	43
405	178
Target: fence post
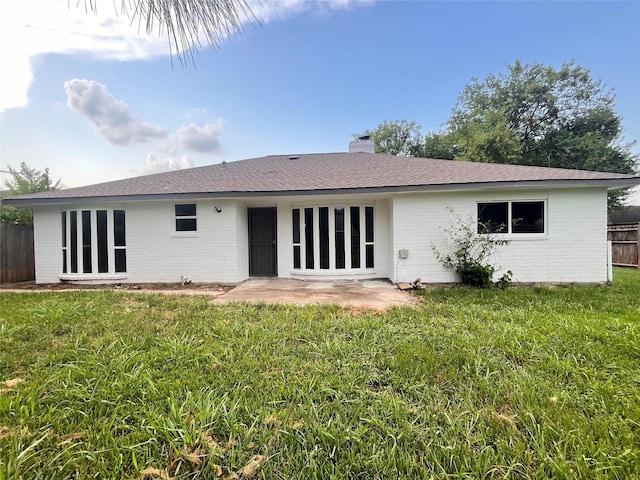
609	262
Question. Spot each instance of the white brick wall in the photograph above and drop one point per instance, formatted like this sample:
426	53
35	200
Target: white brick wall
572	250
241	228
155	253
47	239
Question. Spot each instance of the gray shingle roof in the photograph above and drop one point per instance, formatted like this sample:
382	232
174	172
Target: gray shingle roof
325	173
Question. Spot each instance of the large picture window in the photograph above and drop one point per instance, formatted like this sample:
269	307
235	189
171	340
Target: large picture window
93	242
333	238
511	217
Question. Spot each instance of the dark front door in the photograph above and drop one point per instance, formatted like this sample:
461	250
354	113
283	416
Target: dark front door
262	242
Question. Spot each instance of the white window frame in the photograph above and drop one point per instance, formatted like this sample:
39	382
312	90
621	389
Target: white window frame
174	219
332	270
517	235
110	274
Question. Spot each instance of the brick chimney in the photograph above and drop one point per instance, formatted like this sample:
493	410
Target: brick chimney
364	144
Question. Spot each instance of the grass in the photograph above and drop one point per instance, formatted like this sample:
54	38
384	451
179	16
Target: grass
530	382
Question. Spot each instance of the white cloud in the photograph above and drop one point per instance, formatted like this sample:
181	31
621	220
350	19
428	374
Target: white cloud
114	122
111	116
29	28
273	10
157	166
203	140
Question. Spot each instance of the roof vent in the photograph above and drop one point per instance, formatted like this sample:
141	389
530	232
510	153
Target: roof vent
224	163
363	144
294	157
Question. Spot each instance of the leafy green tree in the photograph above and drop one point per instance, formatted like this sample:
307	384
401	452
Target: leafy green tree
25	180
539	115
532	115
398	137
438	145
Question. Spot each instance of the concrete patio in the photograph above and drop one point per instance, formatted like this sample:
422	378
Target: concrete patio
375	294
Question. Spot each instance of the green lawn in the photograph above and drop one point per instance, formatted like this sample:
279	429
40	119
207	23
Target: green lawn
523	383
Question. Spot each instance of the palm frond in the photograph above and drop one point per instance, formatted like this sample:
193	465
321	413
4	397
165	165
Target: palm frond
187	24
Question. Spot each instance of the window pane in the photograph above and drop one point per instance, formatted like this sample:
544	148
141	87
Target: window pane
527	217
308	236
296	225
296	256
121	260
63	218
186	225
101	220
186	210
369	255
323	217
73	231
64	228
86	241
368	222
339	220
493	217
355	237
119	234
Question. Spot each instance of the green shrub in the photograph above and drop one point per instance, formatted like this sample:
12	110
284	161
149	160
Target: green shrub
476	275
471	254
505	281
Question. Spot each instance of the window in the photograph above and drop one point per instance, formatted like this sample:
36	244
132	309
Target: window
103	252
87	238
86	241
355	237
308	237
296	237
323	214
73	233
511	217
333	237
64	241
119	243
186	217
493	217
527	217
368	221
339	228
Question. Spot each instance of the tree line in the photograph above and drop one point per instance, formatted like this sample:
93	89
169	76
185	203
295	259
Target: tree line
24	180
532	115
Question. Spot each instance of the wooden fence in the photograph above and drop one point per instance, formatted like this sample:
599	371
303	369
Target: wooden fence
625	245
17	261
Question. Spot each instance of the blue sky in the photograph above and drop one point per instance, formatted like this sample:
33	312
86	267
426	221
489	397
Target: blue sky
94	100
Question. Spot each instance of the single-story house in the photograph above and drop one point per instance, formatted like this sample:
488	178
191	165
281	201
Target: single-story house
353	215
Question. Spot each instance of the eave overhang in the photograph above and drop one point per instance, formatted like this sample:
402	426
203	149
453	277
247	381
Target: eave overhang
611	184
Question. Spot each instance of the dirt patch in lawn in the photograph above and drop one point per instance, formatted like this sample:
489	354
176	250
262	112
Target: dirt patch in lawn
373	294
189	288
